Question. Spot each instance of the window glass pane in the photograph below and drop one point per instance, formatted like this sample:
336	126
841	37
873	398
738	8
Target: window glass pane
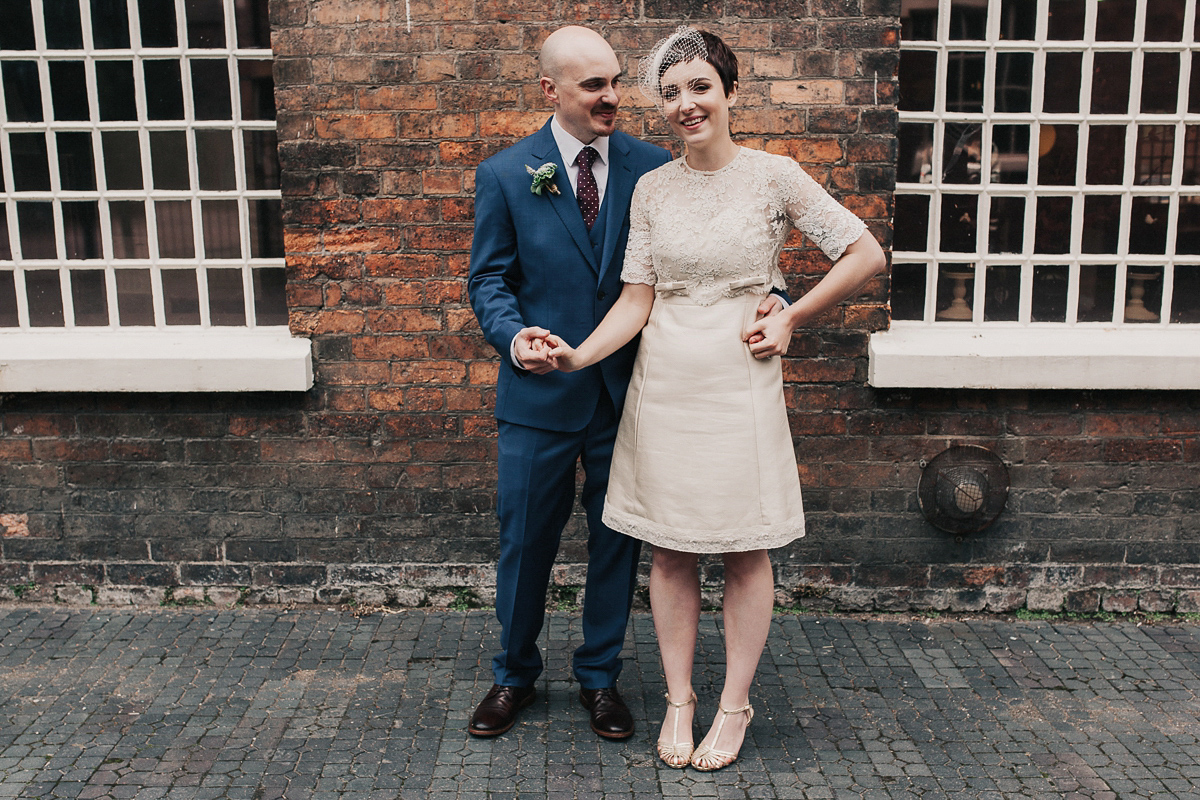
1191	155
962	152
1018	19
44	293
5	244
81	229
36	221
1006	229
1185	299
1187	234
1058	148
122	159
917	79
226	297
1148	225
1110	83
270	301
1164	20
16	25
1050	293
22	91
955	291
1155	155
1052	233
918	20
1194	85
1160	83
164	90
110	24
181	297
76	166
257	88
1097	287
1014	82
915	145
205	23
959	213
1065	21
1101	223
64	30
214	160
1143	294
135	297
210	89
964	82
968	19
8	301
1114	20
266	228
115	90
262	159
911	223
908	291
129	235
30	164
169	160
1002	294
253	24
222	234
1061	83
157	19
68	90
174	226
1106	154
89	296
1010	145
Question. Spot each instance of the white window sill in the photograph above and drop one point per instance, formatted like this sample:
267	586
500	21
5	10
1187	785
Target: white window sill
153	360
1035	358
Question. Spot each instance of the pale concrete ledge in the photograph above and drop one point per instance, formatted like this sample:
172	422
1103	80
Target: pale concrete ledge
153	360
1036	358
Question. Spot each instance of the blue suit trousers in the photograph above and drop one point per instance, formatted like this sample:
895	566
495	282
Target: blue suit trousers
535	495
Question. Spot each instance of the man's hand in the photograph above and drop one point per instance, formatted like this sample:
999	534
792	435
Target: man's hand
771	332
532	351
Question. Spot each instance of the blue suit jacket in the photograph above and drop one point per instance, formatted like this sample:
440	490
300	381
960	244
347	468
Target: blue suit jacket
532	263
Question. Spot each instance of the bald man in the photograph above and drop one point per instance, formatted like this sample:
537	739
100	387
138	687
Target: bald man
548	256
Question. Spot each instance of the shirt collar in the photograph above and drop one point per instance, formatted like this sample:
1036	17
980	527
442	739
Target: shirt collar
569	146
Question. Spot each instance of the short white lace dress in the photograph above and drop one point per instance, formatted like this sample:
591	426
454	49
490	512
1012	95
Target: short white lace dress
703	461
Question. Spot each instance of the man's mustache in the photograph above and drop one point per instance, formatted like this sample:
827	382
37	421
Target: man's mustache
605	108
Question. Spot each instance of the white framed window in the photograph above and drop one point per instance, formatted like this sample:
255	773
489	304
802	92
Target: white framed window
1047	207
141	236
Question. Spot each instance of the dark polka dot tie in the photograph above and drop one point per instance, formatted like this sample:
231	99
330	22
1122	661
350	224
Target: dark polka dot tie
587	193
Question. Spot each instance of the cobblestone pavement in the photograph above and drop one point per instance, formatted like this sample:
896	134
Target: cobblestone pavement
273	703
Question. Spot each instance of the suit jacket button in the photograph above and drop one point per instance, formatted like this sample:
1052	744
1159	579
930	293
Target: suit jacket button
600	295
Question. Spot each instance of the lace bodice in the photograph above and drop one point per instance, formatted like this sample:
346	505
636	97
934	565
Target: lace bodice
718	234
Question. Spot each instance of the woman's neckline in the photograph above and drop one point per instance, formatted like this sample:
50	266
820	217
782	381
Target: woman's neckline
732	161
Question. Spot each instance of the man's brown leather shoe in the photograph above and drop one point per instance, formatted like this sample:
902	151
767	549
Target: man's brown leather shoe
610	716
498	710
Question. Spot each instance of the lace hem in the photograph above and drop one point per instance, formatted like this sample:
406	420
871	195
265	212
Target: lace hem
691	540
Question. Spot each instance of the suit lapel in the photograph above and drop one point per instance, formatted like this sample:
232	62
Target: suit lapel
543	148
616	198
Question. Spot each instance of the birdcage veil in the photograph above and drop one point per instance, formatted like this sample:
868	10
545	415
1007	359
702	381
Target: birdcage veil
684	45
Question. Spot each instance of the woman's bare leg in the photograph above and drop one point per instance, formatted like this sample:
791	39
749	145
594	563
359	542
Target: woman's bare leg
675	601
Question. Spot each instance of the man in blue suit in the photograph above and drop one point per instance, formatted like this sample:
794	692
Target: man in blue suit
550	260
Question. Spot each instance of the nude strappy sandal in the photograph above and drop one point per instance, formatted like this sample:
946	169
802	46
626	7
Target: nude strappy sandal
710	759
677	754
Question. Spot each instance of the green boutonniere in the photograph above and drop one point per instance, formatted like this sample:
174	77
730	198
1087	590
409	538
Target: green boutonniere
543	178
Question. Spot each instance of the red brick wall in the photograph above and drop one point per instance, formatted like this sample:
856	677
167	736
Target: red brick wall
377	485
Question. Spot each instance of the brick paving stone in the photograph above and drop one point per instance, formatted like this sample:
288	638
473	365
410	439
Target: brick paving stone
274	704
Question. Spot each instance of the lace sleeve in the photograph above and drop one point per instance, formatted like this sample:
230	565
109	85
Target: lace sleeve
639	260
814	212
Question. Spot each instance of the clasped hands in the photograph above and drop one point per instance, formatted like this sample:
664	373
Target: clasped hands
540	351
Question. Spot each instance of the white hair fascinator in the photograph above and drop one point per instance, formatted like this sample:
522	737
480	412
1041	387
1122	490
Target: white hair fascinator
684	45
